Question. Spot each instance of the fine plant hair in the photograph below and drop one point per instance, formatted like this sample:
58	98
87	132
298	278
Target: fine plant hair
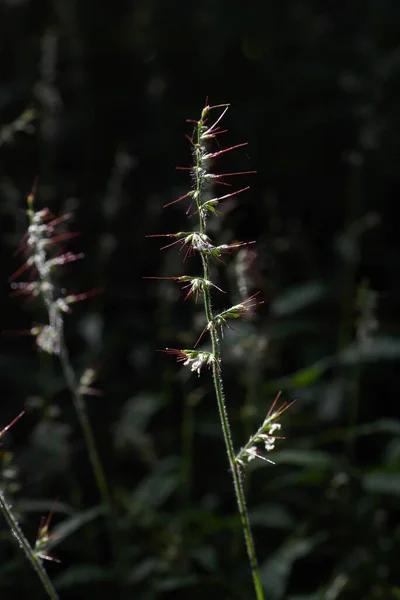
204	203
41	250
43	258
40	247
36	554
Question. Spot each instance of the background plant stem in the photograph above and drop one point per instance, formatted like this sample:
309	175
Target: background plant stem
26	547
81	412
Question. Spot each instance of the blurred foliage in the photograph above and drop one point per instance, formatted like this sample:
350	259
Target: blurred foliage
94	98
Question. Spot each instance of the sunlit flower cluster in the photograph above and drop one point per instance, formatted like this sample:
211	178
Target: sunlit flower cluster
265	437
40	247
194	359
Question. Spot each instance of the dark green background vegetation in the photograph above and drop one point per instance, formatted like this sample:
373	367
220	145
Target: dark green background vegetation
315	90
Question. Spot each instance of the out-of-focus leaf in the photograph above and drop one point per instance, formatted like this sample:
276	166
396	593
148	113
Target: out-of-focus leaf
281	329
176	583
392	454
139	410
135	417
303	377
210	429
157	487
209	522
50	447
304	458
22	123
142	570
382	483
334	588
383	426
26	505
72	524
275	571
7	572
271	515
205	557
81	575
310	374
297	297
379	348
316	596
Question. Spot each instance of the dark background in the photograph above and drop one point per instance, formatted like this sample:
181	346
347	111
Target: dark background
104	90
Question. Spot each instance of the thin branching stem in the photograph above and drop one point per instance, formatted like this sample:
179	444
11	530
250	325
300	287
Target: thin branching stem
56	321
41	235
198	242
226	429
200	186
84	421
26	547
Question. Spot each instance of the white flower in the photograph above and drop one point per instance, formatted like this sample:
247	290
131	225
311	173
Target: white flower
48	339
252	453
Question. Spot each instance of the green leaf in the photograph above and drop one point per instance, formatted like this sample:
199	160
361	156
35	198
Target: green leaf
175	583
205	557
303	377
157	487
142	570
82	574
27	505
304	458
70	525
130	431
271	515
379	349
382	483
136	413
50	446
276	570
297	297
381	426
316	596
309	375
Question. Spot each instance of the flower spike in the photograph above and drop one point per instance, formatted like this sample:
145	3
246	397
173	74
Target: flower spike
264	436
43	257
195	284
204	204
195	359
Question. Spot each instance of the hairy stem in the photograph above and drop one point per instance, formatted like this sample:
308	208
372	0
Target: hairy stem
81	412
226	429
56	321
26	547
101	481
41	234
200	152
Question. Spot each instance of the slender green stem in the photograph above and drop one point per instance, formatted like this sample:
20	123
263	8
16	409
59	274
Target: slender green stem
101	481
81	412
234	467
56	322
26	547
201	180
39	240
